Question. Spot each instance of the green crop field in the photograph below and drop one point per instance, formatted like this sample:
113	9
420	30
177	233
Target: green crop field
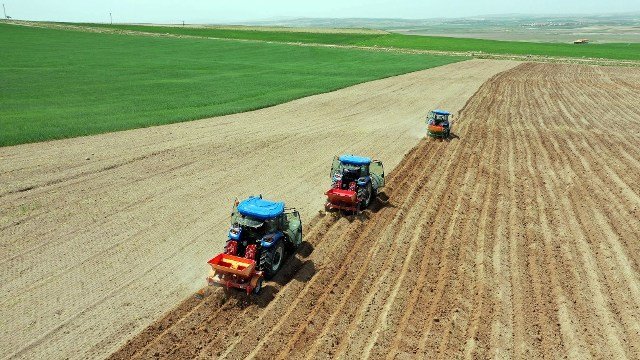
57	84
615	51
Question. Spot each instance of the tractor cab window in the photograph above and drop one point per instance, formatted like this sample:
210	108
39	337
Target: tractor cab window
440	117
355	170
435	118
377	172
254	233
247	222
274	224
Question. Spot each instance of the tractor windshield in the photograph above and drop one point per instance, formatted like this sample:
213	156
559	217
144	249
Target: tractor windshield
245	221
437	118
252	229
359	170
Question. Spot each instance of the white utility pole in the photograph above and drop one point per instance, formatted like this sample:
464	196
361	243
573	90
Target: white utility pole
111	18
5	11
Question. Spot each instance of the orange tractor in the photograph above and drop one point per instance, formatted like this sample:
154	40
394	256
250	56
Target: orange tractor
438	124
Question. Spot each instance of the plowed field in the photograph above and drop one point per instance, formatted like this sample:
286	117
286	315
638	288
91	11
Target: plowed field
518	238
102	235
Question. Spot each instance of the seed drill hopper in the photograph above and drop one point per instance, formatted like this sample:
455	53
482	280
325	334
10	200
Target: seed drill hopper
234	271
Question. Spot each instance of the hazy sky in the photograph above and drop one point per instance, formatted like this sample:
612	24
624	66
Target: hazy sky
210	11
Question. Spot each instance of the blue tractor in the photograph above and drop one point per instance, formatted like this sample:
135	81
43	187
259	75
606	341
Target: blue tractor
264	231
355	181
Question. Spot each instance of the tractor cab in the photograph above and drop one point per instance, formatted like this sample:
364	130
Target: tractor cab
347	170
439	117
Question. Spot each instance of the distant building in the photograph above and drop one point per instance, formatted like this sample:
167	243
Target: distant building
581	41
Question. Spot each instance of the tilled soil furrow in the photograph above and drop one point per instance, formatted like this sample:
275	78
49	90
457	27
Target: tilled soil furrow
385	320
546	326
388	342
443	334
409	314
516	239
354	270
352	300
575	275
566	175
572	341
300	296
451	313
478	288
608	224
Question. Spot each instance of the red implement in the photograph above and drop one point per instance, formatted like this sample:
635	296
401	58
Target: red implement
237	272
436	129
342	199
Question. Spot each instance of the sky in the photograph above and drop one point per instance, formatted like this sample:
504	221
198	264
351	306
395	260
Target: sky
217	11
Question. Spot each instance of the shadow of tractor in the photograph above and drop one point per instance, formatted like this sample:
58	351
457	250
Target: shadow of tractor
381	202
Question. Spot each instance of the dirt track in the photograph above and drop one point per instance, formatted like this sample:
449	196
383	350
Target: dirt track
519	239
102	235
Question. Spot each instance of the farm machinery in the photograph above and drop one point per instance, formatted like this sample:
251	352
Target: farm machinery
438	125
355	181
262	233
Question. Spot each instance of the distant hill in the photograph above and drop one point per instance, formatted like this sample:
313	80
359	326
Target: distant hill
603	28
627	19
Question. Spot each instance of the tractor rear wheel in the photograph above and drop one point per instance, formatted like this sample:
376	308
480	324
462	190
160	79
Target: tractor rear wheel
367	197
271	260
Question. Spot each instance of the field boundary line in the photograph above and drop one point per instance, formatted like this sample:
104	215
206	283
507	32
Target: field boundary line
473	54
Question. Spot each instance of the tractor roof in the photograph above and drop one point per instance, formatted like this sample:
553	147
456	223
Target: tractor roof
441	112
354	160
259	208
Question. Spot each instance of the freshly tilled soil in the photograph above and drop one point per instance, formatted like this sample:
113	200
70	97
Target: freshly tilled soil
518	238
102	235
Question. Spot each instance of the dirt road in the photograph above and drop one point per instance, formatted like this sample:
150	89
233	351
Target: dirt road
518	239
101	235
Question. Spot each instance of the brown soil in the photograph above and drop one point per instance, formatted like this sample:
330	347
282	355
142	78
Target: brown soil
517	239
102	235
